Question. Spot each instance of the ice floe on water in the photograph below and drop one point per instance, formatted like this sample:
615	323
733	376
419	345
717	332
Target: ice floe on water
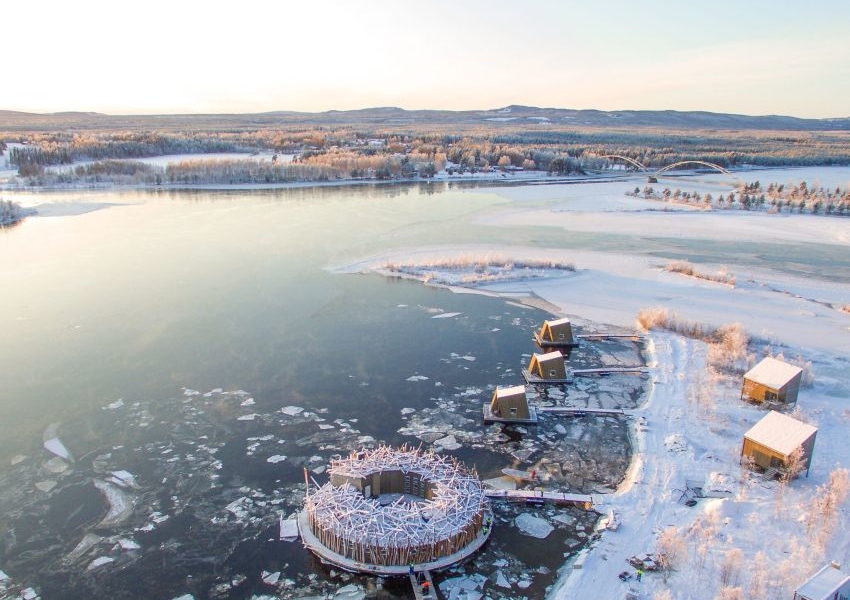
119	502
533	526
206	478
53	444
446	315
100	561
350	592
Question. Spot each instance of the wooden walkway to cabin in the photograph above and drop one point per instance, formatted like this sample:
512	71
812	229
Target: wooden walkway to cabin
577	411
636	370
610	336
418	592
541	497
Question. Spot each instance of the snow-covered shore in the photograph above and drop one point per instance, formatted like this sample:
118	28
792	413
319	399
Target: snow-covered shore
759	536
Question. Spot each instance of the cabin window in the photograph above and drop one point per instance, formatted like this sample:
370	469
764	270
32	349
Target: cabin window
560	336
770	396
552	372
513	410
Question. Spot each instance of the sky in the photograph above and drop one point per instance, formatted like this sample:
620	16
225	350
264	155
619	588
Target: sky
751	57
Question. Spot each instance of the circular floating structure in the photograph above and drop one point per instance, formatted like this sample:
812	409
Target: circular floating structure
386	508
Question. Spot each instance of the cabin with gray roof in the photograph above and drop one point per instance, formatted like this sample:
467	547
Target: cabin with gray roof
772	380
773	441
830	583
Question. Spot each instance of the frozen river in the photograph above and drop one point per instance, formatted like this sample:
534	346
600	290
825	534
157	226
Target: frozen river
200	344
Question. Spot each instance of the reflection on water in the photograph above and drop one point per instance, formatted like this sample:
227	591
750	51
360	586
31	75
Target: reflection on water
165	292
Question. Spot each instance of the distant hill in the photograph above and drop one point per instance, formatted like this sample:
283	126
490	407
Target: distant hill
510	116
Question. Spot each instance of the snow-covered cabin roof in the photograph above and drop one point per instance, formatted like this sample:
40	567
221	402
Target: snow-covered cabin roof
780	432
543	358
558	321
515	390
772	372
824	583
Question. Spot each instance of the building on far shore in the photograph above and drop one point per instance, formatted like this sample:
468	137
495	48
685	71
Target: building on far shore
549	368
556	335
830	583
775	443
772	380
509	405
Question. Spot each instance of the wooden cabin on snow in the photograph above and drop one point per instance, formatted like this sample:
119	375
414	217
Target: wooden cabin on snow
509	405
772	442
555	335
827	584
549	368
772	380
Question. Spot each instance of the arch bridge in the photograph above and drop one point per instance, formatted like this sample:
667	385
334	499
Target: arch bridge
675	165
631	161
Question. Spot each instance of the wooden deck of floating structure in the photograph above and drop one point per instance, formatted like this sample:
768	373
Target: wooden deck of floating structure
532	379
540	497
575	411
489	417
328	556
554	345
636	370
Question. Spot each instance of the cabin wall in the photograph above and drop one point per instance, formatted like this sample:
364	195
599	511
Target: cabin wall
758	392
520	404
788	393
341	480
552	370
763	456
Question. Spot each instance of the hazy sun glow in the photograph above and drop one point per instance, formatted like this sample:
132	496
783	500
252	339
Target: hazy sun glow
754	58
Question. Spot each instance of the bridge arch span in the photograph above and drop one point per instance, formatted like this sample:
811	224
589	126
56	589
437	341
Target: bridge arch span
691	162
631	161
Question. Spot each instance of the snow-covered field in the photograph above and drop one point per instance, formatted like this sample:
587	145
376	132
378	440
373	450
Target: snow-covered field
762	537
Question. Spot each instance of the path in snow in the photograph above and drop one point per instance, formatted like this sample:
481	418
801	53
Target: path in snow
643	502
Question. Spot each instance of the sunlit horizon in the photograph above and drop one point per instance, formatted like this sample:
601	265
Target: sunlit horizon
780	58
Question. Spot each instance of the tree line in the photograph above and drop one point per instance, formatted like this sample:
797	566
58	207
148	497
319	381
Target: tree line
799	198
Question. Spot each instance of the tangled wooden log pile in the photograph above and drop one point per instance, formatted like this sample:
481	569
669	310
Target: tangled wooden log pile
396	507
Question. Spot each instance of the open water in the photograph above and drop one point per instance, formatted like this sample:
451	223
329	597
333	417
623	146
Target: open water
189	337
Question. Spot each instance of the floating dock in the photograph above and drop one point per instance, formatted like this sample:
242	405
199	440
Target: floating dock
328	556
596	337
539	497
554	345
532	379
575	411
602	371
489	417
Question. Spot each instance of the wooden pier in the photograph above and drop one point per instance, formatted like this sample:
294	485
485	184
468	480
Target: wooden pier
540	497
418	592
636	370
576	411
596	337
